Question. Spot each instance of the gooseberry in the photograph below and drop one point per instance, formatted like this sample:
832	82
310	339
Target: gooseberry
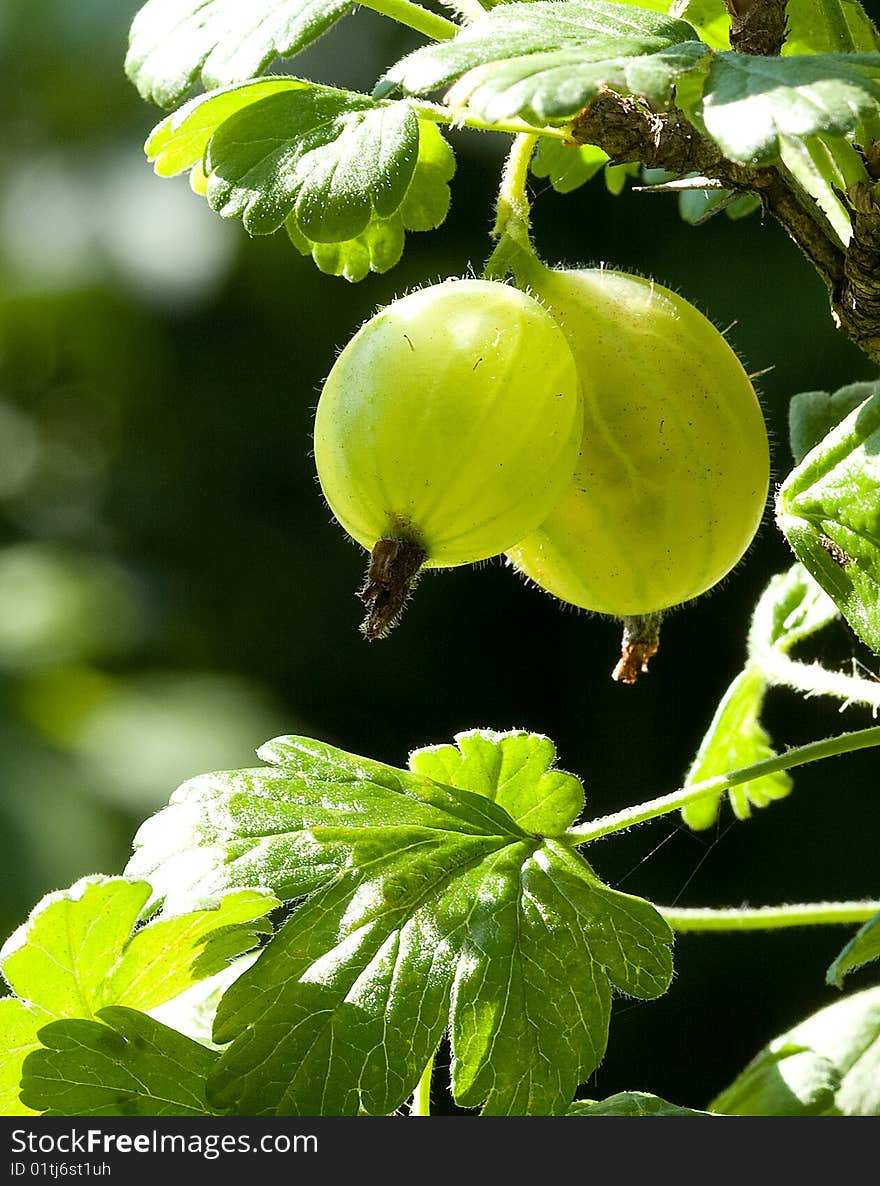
672	477
445	432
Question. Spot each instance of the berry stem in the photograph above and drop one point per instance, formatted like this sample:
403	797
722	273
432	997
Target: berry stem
618	821
638	646
437	27
391	573
766	918
514	252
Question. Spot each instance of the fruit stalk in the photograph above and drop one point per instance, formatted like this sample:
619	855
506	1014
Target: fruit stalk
391	573
638	646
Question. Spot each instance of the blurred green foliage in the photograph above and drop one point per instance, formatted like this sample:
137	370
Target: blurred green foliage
173	592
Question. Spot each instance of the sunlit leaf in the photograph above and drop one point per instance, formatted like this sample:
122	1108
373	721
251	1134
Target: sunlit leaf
175	42
829	510
130	1065
431	908
863	948
734	739
544	61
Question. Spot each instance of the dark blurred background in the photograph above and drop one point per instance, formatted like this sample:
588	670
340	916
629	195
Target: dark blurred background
173	592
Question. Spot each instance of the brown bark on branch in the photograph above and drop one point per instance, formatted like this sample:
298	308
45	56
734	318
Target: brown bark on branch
629	131
757	26
856	299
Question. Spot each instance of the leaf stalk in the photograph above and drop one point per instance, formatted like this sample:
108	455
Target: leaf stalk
619	821
437	27
767	918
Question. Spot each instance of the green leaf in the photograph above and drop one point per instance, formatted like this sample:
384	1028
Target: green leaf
515	770
863	948
241	828
380	245
76	953
20	1023
130	1065
445	913
426	202
544	61
790	609
696	206
829	510
616	176
845	1035
710	18
812	414
734	739
62	956
332	157
751	103
813	163
376	249
345	174
180	140
630	1103
567	166
785	1079
175	42
829	26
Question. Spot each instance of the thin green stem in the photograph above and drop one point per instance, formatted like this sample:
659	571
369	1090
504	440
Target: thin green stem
460	117
816	750
513	251
437	27
766	918
814	680
421	1100
832	11
513	212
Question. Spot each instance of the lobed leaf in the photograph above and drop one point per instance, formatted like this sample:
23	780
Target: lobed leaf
544	60
791	609
380	245
828	1065
815	164
785	1079
124	1064
734	739
346	175
567	166
630	1103
76	955
813	414
696	206
515	770
863	948
332	157
434	909
20	1023
174	43
553	87
751	104
829	510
